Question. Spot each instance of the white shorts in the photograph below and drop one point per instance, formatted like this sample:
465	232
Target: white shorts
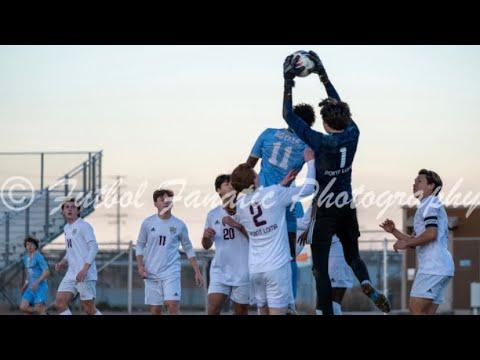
238	294
430	287
86	289
272	288
341	275
158	291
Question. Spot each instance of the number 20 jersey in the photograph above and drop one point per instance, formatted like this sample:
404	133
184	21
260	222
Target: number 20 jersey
230	264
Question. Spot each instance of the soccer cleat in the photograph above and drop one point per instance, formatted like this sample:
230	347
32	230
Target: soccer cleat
378	299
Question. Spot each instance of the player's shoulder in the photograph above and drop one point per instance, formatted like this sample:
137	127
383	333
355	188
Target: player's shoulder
215	211
39	256
149	219
84	224
271	131
177	221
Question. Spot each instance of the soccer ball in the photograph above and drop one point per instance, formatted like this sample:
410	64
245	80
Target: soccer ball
303	60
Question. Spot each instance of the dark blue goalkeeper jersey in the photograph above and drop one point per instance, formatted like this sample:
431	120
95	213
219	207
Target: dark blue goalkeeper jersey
334	153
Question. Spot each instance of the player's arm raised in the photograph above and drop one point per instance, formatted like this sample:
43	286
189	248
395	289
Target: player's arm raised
310	137
322	74
256	152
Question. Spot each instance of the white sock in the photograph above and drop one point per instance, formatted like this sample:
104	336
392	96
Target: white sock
318	312
66	312
98	312
366	282
337	308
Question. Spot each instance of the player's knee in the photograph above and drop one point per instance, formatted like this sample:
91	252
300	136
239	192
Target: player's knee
23	307
173	307
240	309
61	305
214	309
89	307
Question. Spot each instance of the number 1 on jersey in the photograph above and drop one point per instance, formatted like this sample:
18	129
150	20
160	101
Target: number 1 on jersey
343	158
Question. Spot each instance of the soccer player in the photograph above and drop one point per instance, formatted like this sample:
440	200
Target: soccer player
158	258
282	151
229	269
35	289
341	276
261	210
81	276
435	267
333	212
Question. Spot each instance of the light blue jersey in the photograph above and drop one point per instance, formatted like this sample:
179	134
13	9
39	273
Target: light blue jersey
281	151
35	266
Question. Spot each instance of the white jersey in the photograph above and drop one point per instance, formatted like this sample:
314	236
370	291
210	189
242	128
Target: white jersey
158	242
230	264
433	258
262	213
82	248
336	248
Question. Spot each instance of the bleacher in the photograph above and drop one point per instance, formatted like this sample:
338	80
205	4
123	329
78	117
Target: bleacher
39	214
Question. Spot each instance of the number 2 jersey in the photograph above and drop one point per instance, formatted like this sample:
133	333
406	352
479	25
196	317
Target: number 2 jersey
158	242
262	213
230	264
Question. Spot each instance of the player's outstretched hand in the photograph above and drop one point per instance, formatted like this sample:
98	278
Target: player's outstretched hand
302	240
319	68
308	154
388	225
199	279
287	180
290	69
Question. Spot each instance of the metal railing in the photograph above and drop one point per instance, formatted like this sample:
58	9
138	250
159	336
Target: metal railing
39	214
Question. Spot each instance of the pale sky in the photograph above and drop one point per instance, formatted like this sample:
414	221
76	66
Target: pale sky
192	112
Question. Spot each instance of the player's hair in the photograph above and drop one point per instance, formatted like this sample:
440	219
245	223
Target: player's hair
335	114
161	193
30	239
79	207
432	178
306	112
220	180
243	176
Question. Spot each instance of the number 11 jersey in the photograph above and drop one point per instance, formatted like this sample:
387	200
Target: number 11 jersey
281	151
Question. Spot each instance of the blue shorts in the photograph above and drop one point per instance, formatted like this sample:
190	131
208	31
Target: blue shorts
36	297
292	215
